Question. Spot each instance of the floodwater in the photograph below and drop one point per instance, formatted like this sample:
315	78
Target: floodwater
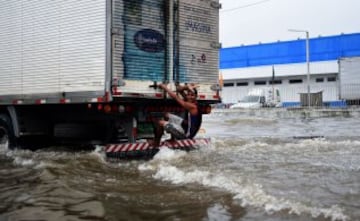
260	166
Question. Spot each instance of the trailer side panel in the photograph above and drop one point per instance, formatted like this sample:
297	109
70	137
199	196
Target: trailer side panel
349	69
52	47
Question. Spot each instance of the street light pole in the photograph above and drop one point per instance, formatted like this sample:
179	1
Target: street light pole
308	67
307	62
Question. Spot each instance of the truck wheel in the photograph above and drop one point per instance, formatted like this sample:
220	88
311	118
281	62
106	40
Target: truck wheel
7	138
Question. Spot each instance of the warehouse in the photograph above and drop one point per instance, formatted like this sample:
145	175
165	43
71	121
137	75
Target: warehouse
283	65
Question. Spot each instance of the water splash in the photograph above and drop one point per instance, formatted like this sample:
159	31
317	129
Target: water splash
249	194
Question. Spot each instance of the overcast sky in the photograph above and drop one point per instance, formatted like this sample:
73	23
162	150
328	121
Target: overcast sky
253	21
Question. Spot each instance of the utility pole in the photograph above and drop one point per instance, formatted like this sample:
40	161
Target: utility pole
307	61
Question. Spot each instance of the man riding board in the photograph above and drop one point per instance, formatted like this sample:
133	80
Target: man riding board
180	128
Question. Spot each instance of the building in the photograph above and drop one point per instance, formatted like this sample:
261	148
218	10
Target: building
283	65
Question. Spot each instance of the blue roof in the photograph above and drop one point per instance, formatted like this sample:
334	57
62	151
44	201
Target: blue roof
321	49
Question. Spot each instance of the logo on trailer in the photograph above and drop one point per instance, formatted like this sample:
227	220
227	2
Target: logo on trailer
149	40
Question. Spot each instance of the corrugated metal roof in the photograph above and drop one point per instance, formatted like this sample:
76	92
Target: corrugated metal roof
321	49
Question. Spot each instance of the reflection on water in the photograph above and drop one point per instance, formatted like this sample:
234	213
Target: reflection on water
256	168
33	186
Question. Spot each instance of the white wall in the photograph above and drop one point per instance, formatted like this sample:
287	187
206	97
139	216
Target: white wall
288	92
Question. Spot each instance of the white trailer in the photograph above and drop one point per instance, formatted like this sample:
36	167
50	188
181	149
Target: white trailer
86	71
349	76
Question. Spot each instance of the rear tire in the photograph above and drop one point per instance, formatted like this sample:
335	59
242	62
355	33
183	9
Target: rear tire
7	137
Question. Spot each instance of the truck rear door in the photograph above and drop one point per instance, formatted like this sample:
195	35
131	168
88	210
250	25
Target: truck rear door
158	41
198	49
139	46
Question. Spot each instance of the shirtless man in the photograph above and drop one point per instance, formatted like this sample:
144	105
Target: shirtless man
178	127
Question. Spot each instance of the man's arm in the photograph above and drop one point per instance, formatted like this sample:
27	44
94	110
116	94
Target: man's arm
192	108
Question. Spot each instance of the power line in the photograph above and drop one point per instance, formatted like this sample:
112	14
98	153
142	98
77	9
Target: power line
245	6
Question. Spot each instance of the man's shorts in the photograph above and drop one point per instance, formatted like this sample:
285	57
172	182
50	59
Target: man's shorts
173	126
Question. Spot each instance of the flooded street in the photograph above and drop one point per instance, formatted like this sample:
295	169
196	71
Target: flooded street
260	166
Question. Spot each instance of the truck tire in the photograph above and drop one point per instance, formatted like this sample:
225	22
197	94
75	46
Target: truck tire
7	137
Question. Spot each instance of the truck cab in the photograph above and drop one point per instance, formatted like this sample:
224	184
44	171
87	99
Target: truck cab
257	98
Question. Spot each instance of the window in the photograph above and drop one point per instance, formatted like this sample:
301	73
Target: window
331	79
228	84
260	82
242	84
295	81
319	80
275	82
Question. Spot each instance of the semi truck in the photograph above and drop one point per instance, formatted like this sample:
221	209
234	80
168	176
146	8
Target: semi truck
86	72
259	97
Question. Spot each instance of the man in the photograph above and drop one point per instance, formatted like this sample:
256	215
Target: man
178	127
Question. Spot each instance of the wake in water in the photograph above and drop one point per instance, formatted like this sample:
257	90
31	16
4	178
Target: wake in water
272	174
276	178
